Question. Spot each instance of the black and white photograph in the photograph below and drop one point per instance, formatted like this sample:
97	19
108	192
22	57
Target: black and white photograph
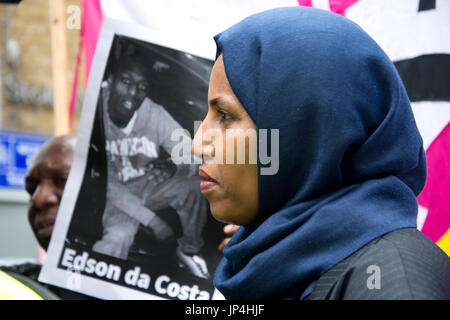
133	216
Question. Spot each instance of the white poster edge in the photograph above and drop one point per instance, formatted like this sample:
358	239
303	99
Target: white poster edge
50	273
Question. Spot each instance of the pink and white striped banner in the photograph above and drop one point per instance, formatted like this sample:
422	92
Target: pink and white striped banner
414	33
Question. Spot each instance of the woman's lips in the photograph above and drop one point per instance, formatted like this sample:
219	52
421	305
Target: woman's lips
207	182
206	185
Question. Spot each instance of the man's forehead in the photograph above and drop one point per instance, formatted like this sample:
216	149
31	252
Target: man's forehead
56	150
133	68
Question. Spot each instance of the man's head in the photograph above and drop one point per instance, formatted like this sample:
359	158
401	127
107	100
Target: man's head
45	180
129	86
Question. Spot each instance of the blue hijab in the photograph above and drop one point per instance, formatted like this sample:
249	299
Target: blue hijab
351	161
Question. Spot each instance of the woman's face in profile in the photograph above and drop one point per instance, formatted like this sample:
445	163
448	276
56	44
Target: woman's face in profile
226	141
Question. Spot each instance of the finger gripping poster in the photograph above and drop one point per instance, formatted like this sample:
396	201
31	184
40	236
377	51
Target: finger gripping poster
133	223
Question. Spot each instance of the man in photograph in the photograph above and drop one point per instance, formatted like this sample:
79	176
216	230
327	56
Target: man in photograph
140	182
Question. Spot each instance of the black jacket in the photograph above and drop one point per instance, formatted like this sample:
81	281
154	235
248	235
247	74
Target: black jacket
403	264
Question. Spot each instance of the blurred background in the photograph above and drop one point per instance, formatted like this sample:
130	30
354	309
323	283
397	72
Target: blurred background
47	46
26	111
26	102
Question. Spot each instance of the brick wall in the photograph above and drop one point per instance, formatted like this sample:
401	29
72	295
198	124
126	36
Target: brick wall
28	24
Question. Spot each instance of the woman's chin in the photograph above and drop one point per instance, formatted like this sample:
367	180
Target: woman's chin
231	211
225	217
221	215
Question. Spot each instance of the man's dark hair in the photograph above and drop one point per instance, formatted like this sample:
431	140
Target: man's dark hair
129	52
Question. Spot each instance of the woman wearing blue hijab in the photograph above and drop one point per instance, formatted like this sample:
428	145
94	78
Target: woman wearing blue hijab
336	219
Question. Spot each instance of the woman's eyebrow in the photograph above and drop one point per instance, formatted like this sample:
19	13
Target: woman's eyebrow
217	103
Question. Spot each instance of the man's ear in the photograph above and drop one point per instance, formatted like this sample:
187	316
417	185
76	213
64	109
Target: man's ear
110	79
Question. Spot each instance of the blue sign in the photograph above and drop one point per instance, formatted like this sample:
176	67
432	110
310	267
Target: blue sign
16	151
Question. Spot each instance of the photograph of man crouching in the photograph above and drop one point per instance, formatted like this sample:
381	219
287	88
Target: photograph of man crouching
139	181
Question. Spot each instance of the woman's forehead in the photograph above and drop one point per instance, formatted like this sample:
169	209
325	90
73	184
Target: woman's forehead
219	84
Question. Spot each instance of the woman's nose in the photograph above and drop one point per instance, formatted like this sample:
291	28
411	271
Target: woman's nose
202	148
197	143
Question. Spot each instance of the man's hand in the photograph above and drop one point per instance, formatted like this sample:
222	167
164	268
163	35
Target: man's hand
229	230
163	168
140	160
166	166
161	230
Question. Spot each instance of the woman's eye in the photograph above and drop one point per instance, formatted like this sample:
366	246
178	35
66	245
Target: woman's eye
225	116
